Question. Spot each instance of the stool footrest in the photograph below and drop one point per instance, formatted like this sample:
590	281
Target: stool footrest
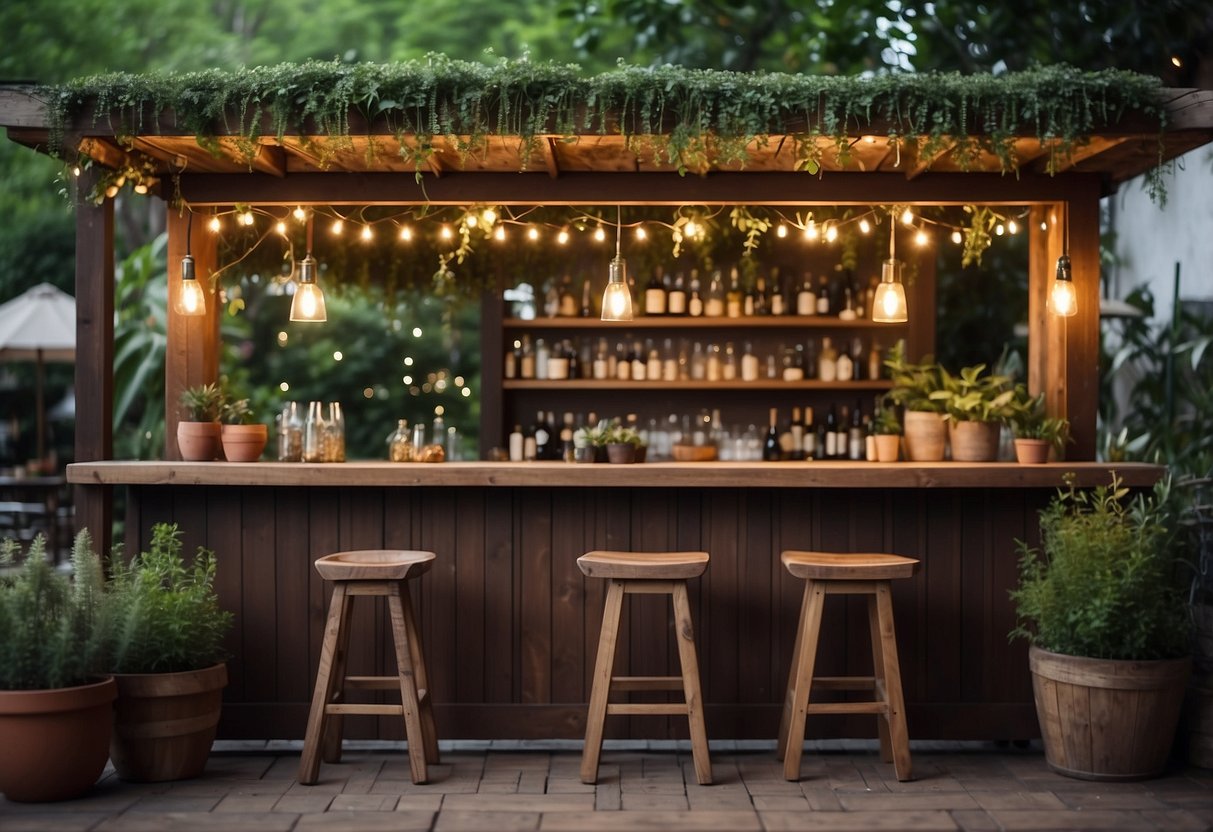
648	708
844	682
365	709
372	682
847	708
646	683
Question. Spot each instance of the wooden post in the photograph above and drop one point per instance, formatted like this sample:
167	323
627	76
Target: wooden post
94	354
191	356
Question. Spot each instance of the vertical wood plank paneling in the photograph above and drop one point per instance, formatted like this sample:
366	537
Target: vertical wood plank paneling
943	602
834	535
594	591
536	585
402	530
794	530
720	524
1015	518
223	518
189	513
973	635
757	599
324	533
259	610
614	530
568	597
907	517
867	535
292	528
499	592
437	591
364	508
470	601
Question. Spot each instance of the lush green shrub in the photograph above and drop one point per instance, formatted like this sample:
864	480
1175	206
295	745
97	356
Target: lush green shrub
1105	582
50	628
163	615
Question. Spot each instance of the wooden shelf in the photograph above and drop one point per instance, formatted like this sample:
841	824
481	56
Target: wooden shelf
641	386
661	322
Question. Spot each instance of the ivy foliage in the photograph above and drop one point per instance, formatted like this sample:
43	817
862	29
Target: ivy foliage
686	117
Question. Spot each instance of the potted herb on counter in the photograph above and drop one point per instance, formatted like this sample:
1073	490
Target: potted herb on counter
243	439
623	445
54	709
198	432
1036	432
1104	606
975	407
914	388
887	432
167	656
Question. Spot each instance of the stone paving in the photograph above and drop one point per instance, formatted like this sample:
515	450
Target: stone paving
502	787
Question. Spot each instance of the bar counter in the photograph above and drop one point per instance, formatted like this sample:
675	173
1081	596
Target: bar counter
510	625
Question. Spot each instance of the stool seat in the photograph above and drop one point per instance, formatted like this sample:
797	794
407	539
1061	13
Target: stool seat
645	566
835	566
374	565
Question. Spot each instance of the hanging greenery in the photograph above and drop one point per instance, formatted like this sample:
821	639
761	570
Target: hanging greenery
687	118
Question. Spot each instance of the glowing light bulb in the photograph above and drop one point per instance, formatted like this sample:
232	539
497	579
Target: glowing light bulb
781	231
1063	300
921	238
337	356
299	214
367	234
532	233
499	234
831	233
599	234
865	226
214	224
641	234
957	237
338	226
406	233
75	170
281	228
1000	229
1177	62
284	387
446	232
810	231
562	237
1044	226
1012	227
471	220
907	217
490	216
691	229
247	218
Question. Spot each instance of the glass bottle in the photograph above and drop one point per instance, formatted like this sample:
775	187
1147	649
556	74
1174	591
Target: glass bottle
313	433
713	305
655	294
676	303
400	449
290	434
733	300
806	302
827	361
695	302
334	434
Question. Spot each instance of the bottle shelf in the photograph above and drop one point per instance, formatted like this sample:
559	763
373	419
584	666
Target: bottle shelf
684	322
763	384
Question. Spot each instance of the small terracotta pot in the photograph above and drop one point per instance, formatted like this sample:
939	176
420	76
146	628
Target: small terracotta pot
621	453
1031	451
244	443
198	441
926	436
974	441
888	447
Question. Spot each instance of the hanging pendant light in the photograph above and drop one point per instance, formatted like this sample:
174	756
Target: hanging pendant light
889	303
308	303
1063	300
190	300
617	297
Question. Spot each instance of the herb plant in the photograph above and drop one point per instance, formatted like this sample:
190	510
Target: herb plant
885	422
1105	582
972	397
203	402
163	614
1029	420
914	385
51	633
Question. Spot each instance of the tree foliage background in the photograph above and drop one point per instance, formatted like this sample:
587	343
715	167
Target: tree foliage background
53	40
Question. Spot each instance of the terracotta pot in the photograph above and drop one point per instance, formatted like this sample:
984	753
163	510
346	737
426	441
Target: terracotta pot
642	453
1107	720
888	446
926	436
55	742
244	443
621	452
198	441
974	441
1031	451
164	723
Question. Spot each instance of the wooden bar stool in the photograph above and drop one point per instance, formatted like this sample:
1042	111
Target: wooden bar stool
650	573
827	573
375	572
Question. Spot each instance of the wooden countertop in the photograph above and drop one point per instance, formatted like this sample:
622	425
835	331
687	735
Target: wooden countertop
654	474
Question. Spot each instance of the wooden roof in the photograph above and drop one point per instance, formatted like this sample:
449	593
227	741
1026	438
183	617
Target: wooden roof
1119	153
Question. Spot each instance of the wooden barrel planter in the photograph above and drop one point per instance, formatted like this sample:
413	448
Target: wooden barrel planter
1107	720
164	723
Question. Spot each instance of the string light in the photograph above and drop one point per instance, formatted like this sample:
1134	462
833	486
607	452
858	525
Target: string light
617	296
214	225
1012	227
490	216
471	220
691	229
499	234
75	170
641	234
599	235
810	230
406	233
562	237
781	231
308	303
299	214
338	226
532	233
247	218
1000	229
281	228
446	232
865	226
907	217
957	237
889	302
921	238
831	233
367	234
1044	226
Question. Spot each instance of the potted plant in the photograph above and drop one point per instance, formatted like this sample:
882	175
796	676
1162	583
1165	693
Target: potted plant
1105	609
54	709
914	386
887	432
167	657
243	439
588	441
975	407
622	444
198	432
1036	432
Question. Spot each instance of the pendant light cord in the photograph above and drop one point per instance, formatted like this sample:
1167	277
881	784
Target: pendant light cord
892	237
618	227
189	231
309	235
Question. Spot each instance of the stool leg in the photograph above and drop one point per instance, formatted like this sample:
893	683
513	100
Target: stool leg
899	736
408	686
882	724
334	724
603	668
801	678
309	762
428	728
690	683
786	716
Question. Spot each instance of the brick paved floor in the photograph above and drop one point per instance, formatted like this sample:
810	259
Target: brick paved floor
501	787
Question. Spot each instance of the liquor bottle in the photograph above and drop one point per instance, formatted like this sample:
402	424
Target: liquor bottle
695	302
623	363
770	448
831	434
875	366
568	303
847	313
676	303
844	368
858	361
558	363
796	436
669	362
810	358
526	360
806	301
840	434
811	449
793	365
713	304
639	359
760	305
855	440
827	361
823	296
652	370
699	364
728	367
713	363
733	301
551	300
542	353
574	360
587	299
601	369
749	363
654	294
567	449
785	436
778	304
542	434
511	363
749	300
516	444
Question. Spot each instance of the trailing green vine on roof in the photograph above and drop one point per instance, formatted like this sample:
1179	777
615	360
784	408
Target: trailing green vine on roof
682	115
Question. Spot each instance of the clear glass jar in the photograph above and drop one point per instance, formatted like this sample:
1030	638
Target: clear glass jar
314	433
400	447
334	434
290	434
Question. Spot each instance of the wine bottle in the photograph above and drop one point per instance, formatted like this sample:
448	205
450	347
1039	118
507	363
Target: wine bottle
796	431
654	295
676	302
827	361
806	302
831	437
695	302
587	299
713	304
823	296
568	303
770	449
778	304
733	301
855	440
810	435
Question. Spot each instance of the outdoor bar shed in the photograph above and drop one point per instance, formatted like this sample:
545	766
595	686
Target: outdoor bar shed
510	623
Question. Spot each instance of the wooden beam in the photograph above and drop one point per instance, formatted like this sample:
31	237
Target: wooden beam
94	354
191	356
1046	338
923	165
792	189
20	107
103	151
1092	148
548	146
1082	330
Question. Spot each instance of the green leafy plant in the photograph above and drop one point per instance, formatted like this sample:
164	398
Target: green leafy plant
914	385
621	435
163	614
594	436
1104	583
1029	420
53	633
203	402
885	421
972	397
235	412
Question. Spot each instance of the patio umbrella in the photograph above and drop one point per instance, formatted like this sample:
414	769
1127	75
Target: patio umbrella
39	326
